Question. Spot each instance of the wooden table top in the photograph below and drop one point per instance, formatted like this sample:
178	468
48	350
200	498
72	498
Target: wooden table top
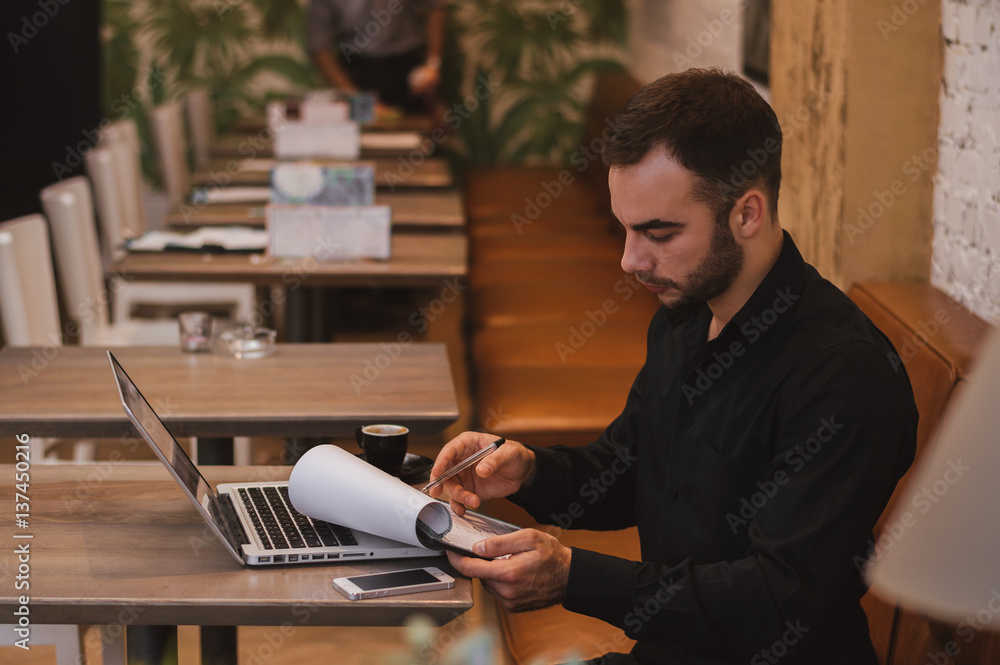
260	144
430	209
391	173
257	124
418	260
121	544
299	390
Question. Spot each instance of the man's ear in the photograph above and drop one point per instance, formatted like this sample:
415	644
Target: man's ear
749	214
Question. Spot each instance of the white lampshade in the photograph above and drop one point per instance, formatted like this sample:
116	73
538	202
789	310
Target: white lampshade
940	554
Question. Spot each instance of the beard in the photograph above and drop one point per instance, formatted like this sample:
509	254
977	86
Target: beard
710	278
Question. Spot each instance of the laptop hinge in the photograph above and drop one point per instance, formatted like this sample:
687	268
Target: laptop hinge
225	515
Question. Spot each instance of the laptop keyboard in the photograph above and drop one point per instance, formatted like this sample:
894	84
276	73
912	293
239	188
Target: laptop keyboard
280	526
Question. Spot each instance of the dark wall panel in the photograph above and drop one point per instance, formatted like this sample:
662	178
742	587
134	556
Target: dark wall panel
50	72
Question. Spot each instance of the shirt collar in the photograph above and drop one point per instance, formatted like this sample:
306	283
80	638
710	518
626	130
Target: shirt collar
771	304
764	313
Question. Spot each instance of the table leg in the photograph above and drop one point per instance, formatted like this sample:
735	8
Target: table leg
295	447
295	311
317	315
145	645
218	645
216	451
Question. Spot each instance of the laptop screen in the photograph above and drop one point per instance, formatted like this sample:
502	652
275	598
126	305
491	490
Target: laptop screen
163	443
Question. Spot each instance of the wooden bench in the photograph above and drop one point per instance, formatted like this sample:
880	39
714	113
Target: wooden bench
937	340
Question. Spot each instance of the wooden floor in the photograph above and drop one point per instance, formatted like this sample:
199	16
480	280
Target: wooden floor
276	645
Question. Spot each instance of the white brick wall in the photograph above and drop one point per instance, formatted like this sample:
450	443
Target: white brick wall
966	248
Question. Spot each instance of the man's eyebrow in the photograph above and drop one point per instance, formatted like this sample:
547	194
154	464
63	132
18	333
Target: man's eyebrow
656	224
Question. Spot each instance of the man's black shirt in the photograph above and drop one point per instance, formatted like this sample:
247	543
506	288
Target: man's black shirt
755	466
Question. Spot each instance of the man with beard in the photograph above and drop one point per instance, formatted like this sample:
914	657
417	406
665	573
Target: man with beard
760	440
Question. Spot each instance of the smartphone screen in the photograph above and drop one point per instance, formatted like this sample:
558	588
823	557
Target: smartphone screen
393	579
393	583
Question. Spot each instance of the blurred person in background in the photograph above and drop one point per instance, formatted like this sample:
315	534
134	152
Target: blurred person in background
390	47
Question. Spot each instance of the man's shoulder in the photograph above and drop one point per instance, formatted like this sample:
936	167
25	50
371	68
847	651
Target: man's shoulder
830	327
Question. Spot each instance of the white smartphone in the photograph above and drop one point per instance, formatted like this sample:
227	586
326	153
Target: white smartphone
393	583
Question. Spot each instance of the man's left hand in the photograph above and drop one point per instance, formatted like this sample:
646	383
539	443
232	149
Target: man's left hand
534	576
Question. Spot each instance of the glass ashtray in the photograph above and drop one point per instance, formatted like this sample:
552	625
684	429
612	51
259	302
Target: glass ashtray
248	342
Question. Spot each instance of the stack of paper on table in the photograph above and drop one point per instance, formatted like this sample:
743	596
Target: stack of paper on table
206	238
391	140
231	195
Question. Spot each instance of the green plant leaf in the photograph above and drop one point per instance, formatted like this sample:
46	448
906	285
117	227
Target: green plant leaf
121	69
116	14
608	21
592	66
282	19
289	68
199	39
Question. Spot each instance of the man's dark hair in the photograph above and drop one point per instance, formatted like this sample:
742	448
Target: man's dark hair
715	124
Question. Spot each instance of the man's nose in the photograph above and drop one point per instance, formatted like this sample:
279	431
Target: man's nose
634	259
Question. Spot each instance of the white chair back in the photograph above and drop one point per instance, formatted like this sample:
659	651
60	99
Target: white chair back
122	137
29	308
70	209
198	105
167	124
109	196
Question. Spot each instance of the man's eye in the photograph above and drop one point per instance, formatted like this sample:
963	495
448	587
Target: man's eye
661	238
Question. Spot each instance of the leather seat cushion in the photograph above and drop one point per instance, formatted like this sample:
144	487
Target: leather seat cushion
513	271
560	344
561	301
570	404
549	223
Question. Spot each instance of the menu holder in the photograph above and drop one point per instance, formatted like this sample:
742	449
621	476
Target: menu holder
329	233
360	106
323	184
340	140
324	110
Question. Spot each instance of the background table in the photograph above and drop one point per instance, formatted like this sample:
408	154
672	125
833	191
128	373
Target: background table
373	144
299	391
390	172
257	125
417	261
432	209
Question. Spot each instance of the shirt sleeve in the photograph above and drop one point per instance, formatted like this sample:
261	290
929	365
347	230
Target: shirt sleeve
844	435
322	25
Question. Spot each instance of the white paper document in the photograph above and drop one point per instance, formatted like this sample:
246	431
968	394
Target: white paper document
224	238
331	484
391	140
231	195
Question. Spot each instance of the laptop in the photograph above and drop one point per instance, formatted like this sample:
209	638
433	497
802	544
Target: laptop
255	522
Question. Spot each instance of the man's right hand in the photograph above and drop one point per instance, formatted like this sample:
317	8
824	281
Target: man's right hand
500	474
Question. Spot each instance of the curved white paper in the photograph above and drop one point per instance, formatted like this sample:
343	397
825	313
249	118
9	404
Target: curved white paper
331	484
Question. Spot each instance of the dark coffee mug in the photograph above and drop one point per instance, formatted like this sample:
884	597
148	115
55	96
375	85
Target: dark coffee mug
384	445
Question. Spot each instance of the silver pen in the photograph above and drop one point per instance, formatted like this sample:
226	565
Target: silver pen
463	465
